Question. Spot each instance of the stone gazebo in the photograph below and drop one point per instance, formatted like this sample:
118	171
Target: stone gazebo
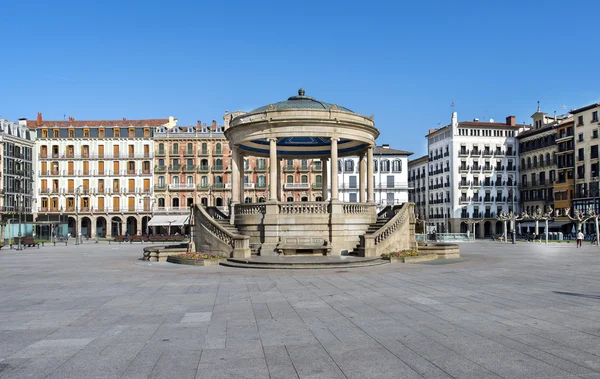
304	128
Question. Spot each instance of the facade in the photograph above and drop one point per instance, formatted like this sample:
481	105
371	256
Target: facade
587	172
16	152
95	176
390	175
472	173
564	186
417	184
538	163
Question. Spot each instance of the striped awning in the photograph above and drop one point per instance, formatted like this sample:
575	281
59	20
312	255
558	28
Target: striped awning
169	220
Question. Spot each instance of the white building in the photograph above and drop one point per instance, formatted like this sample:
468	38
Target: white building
417	185
390	175
472	174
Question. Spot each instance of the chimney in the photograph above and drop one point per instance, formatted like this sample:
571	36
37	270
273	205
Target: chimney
39	121
199	124
511	121
214	125
71	118
432	131
124	118
385	146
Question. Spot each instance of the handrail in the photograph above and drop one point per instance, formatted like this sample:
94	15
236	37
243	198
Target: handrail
403	213
216	213
235	241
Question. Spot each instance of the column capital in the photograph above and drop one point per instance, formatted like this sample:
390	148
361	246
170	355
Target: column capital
272	139
335	138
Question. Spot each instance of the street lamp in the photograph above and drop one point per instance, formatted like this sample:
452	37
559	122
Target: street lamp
150	209
513	217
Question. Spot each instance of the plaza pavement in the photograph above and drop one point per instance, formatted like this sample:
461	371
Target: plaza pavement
504	311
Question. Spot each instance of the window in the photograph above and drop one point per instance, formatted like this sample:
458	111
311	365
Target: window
397	165
594	152
100	133
595	133
385	165
44	133
218	149
55	133
289	179
579	120
116	133
146	132
375	166
318	180
349	165
595	116
580	154
262	181
131	133
304	179
86	133
71	133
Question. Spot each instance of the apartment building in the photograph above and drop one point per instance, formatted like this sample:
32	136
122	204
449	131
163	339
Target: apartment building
17	176
587	168
96	176
417	183
472	173
538	157
564	186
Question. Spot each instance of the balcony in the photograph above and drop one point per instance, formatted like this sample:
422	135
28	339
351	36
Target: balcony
465	184
182	186
174	152
188	153
499	153
487	153
261	185
203	152
248	185
296	186
203	168
475	153
160	169
289	168
304	168
317	186
464	169
488	168
203	186
189	168
463	153
260	168
218	152
171	210
218	168
159	188
564	137
317	167
160	153
175	168
221	186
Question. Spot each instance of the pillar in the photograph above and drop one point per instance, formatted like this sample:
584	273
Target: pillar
334	169
324	178
370	183
280	181
241	177
273	167
235	176
361	178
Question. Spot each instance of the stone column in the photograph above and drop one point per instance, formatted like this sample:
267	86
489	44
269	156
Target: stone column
279	181
242	172
273	173
370	189
324	187
235	176
361	177
334	169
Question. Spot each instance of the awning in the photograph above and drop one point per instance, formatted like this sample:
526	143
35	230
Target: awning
169	220
551	224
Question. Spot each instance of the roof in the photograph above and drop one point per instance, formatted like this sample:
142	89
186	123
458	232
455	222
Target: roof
300	102
582	109
416	161
379	150
33	124
543	129
492	124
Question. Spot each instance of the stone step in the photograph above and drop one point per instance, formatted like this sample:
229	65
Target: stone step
229	263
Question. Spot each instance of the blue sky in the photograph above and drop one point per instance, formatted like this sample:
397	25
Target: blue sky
404	62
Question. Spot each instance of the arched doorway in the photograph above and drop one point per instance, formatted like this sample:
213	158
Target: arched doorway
145	229
101	227
487	229
86	227
499	228
204	202
131	227
71	226
219	202
478	229
116	226
464	227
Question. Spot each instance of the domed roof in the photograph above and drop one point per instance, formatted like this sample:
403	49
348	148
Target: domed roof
301	102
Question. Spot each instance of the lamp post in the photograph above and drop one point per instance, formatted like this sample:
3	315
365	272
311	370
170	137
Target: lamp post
513	218
503	216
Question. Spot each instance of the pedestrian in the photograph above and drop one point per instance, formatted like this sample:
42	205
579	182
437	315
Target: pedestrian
579	239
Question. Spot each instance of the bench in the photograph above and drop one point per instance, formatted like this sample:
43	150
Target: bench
118	239
303	245
25	242
155	238
137	238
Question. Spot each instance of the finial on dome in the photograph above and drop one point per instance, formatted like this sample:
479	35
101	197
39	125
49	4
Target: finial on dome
301	92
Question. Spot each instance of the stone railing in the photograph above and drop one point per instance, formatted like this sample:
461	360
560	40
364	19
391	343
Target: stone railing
216	213
305	207
249	209
356	208
218	238
397	234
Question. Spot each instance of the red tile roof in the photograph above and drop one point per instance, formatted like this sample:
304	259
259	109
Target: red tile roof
33	124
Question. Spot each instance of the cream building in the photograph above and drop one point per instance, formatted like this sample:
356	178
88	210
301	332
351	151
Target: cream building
96	177
417	184
587	170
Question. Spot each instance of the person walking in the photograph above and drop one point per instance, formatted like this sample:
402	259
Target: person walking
579	239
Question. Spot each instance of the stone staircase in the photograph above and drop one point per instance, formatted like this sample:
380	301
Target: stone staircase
303	263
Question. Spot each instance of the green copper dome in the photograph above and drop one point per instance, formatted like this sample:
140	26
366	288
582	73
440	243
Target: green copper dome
301	102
